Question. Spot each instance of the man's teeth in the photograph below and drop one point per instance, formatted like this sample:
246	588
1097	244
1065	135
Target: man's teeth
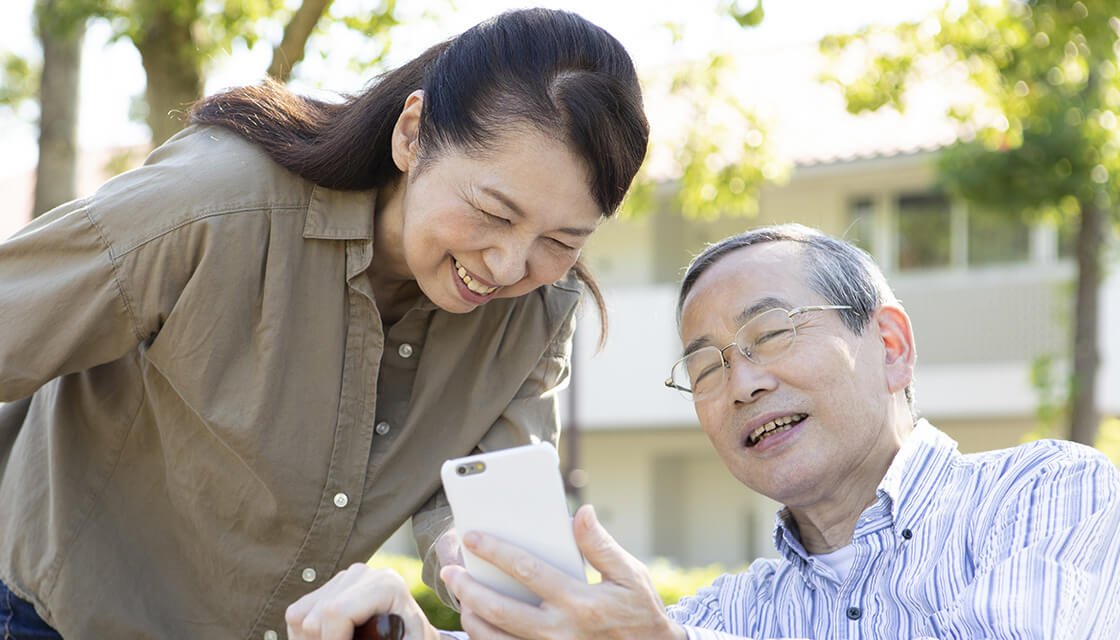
471	284
777	425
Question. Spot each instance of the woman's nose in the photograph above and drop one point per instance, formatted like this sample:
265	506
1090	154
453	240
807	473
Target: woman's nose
508	262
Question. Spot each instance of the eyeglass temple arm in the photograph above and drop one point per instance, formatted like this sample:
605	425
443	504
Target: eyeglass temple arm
669	383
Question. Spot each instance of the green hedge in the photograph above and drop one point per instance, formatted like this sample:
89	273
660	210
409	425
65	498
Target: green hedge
673	583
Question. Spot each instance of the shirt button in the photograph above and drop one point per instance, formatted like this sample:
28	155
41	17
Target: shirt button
854	613
907	534
382	428
309	575
271	635
405	350
341	500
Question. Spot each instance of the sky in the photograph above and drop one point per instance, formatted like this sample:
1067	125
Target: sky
112	75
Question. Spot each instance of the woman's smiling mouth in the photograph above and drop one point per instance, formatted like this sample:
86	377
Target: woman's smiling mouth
471	283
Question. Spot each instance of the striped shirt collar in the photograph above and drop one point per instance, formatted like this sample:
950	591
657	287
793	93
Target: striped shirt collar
905	493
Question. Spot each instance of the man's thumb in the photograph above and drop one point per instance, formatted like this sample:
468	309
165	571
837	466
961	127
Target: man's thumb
599	548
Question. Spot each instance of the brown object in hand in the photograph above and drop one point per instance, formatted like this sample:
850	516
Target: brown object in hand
382	626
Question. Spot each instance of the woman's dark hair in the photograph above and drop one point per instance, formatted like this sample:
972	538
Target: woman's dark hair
549	69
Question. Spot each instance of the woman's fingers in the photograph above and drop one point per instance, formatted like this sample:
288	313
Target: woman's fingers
350	599
449	548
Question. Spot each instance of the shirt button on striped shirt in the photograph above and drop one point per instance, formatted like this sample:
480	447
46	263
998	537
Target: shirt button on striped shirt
854	613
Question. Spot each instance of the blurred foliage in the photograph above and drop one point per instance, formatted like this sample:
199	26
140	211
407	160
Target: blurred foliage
19	80
440	615
1108	439
745	17
1039	134
1051	412
217	25
672	583
720	157
1040	137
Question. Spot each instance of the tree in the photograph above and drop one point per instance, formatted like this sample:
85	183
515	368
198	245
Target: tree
61	26
1043	142
178	40
718	161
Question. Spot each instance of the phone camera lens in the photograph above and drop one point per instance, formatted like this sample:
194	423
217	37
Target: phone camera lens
462	469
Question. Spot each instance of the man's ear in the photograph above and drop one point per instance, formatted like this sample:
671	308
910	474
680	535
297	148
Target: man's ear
898	345
406	132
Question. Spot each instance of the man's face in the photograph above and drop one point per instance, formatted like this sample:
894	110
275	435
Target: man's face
830	387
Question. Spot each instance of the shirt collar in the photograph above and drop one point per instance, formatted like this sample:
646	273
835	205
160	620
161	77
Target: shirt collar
912	479
904	493
340	215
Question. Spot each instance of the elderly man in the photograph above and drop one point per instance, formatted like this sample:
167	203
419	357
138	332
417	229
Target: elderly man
799	361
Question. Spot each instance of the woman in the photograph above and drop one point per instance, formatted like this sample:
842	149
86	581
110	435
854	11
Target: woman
237	368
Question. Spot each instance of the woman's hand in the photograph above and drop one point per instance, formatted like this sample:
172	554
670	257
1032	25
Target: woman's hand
351	598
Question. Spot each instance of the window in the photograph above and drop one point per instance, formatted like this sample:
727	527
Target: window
924	232
861	224
997	237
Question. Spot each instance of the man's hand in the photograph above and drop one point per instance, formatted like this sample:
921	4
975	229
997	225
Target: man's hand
624	605
351	598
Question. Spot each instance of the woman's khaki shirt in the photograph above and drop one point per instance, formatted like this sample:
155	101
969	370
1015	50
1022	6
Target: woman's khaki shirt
205	417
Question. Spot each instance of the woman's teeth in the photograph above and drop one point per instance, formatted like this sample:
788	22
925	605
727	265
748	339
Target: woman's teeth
777	425
470	282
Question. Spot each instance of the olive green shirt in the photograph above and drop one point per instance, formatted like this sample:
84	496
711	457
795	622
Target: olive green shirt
205	418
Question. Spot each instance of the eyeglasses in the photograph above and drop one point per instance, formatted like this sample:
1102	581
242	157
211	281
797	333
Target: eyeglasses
762	340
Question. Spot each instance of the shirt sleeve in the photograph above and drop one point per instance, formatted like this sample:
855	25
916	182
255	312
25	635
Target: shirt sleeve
700	614
532	416
63	307
1048	567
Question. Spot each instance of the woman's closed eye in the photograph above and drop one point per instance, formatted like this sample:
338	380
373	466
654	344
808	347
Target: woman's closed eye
563	246
490	217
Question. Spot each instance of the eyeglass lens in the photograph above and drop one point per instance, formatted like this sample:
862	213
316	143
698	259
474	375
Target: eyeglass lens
763	339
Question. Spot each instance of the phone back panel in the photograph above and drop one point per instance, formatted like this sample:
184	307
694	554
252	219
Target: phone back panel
517	496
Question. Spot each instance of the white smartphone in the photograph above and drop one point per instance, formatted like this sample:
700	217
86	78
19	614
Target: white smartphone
515	494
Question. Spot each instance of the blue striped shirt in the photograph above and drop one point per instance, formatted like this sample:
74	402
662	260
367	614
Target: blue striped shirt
1017	543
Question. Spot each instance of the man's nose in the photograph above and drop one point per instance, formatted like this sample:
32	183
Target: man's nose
747	381
508	261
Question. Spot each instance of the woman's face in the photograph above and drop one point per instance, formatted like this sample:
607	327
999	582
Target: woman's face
480	226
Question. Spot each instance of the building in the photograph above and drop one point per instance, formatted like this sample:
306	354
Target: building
988	299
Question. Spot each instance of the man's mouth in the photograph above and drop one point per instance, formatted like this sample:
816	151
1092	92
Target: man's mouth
777	425
471	283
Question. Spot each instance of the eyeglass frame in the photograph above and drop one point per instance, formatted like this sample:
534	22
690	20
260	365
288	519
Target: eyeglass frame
734	343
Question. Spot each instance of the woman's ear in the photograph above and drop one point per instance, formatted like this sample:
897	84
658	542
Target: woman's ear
406	132
898	345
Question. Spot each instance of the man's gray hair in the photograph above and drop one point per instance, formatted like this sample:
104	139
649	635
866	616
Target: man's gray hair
839	271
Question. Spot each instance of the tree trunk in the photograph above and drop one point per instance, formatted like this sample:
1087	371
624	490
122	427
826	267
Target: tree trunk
290	50
172	66
56	178
1084	418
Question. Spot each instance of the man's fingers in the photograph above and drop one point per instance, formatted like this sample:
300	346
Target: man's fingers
476	627
481	602
538	576
600	548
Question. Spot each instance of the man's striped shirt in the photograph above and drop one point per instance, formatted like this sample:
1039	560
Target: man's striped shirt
1018	543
